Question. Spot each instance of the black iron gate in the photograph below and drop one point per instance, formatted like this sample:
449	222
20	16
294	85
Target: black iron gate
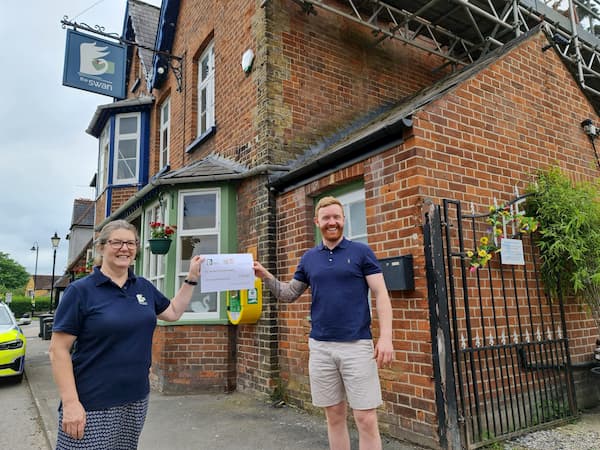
501	353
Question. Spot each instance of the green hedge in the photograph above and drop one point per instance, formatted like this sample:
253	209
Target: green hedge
21	304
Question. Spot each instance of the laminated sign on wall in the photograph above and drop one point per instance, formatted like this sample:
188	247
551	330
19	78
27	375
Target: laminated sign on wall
511	252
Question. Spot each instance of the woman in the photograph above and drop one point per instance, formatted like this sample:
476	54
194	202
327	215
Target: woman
101	345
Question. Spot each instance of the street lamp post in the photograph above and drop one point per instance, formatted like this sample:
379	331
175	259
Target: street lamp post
55	241
36	248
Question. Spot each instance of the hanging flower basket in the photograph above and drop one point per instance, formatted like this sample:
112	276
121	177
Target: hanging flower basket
160	246
160	237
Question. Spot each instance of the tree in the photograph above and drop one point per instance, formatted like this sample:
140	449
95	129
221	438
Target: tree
12	274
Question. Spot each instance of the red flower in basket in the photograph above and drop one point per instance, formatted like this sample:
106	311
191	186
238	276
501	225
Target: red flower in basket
160	230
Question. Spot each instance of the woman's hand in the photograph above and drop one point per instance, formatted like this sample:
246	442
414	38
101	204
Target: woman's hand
73	422
195	264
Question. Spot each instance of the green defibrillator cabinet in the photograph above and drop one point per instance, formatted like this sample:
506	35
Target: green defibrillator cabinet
245	306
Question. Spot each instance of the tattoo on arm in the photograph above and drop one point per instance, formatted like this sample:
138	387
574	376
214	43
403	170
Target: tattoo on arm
286	292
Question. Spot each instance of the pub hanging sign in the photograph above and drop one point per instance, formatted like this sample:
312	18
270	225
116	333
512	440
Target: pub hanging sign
94	65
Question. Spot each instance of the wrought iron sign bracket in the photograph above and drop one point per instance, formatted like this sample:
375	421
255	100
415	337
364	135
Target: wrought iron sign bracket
175	63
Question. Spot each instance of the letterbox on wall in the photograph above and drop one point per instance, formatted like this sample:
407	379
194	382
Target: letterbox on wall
398	273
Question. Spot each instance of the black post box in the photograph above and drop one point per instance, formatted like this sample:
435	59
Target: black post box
398	273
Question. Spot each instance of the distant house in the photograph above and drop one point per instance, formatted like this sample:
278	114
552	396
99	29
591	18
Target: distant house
80	235
80	239
41	283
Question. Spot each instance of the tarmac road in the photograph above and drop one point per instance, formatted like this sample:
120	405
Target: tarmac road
20	423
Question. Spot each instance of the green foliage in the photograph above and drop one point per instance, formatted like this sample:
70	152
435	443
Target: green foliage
21	304
278	392
13	275
569	236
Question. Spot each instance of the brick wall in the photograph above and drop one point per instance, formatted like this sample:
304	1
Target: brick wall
324	72
474	144
226	24
193	358
310	76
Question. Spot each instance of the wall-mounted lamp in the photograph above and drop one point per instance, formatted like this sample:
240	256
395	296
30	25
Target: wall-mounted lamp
175	63
591	131
589	128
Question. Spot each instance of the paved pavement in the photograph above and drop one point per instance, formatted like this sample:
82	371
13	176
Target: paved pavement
201	422
239	421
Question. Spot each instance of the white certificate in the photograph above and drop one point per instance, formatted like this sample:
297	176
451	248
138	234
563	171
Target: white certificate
227	272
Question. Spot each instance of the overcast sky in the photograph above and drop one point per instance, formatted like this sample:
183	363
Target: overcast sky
47	158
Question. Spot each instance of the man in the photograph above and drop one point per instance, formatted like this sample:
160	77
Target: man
343	362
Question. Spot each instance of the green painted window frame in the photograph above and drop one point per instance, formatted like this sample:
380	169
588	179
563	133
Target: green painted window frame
227	244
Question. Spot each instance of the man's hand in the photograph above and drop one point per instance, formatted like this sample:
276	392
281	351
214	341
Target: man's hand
260	271
384	352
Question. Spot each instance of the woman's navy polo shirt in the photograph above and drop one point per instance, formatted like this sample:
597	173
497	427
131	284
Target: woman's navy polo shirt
114	328
339	309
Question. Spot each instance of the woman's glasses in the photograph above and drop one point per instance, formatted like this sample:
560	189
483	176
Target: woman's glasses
117	244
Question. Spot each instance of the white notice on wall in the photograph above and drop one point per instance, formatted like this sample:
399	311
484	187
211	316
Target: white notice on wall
511	251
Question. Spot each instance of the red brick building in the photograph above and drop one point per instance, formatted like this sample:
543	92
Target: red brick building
237	155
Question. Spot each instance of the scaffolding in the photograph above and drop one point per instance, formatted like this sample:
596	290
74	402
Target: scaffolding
463	31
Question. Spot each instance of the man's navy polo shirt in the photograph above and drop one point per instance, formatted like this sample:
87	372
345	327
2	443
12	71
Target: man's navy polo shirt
339	309
114	328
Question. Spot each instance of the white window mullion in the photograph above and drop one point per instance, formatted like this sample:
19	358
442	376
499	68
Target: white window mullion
165	132
355	227
206	90
127	148
154	265
198	233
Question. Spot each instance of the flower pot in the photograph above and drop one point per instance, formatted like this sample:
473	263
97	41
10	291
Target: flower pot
159	246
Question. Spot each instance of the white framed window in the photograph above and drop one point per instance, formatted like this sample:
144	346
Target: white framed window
103	158
206	90
154	265
165	131
355	225
89	258
127	148
198	233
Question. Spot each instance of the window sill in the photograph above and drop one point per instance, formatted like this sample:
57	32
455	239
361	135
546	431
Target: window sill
163	323
201	139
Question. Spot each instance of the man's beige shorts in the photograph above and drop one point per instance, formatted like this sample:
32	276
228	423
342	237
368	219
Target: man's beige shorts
344	370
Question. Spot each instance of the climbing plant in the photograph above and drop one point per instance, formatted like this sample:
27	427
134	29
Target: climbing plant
569	236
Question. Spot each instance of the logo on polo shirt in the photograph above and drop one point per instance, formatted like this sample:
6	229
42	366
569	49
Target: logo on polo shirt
141	299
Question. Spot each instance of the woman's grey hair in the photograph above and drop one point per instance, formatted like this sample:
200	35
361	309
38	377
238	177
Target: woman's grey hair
106	231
